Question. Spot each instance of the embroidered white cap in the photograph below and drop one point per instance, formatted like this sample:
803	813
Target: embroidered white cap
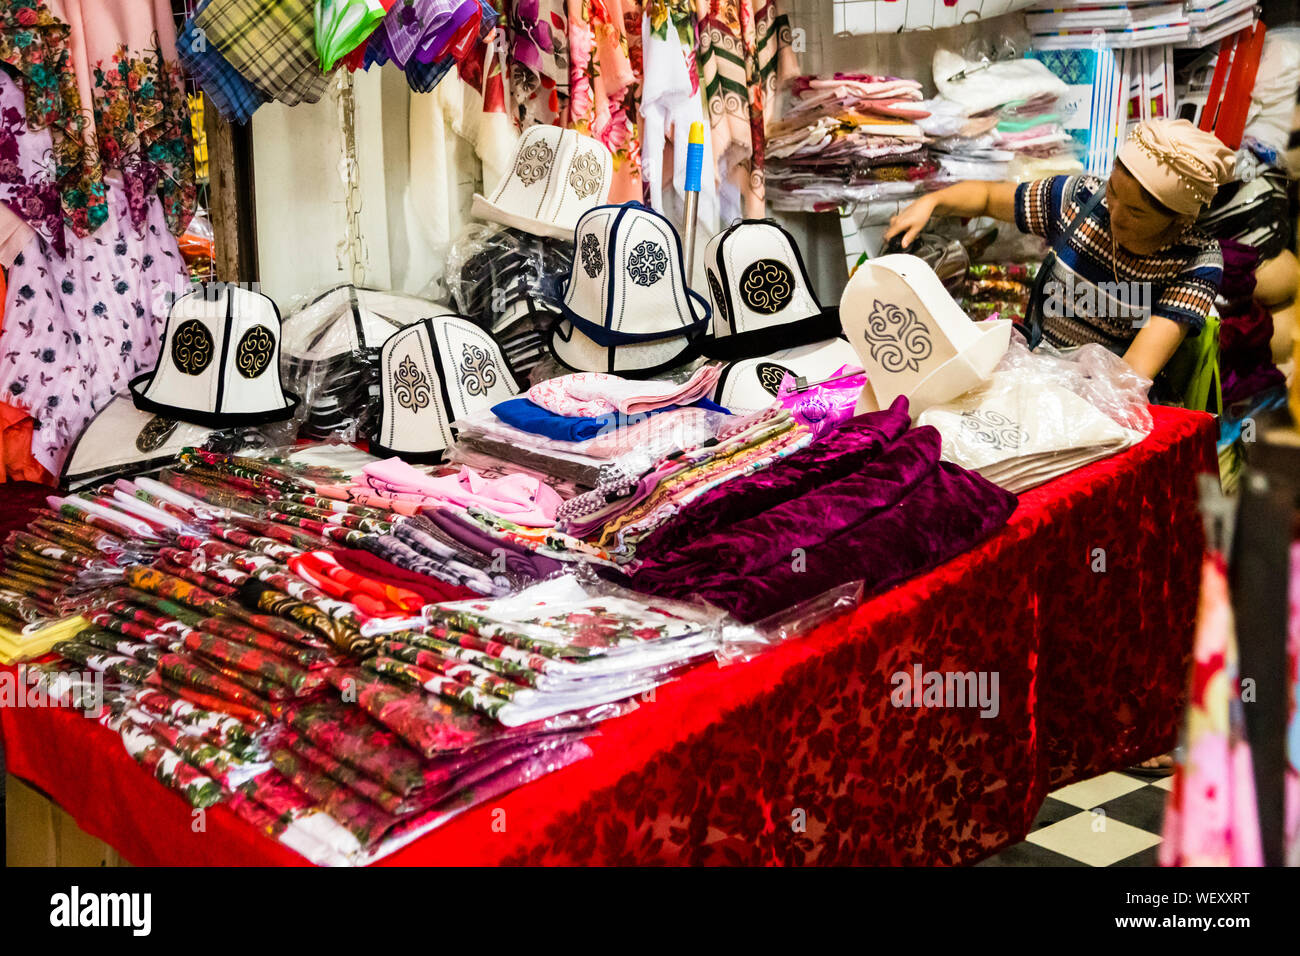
558	174
431	374
627	308
1019	432
763	300
912	338
753	383
220	362
123	440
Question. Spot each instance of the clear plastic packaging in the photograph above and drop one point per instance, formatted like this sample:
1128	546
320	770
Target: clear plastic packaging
329	344
506	281
1092	372
1042	414
742	642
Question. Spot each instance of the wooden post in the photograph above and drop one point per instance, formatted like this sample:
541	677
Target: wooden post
231	207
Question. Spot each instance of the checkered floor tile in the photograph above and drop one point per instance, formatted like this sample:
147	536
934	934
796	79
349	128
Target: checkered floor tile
1111	820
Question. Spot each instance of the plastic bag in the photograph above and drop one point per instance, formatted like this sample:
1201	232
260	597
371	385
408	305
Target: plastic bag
824	406
1043	414
507	282
743	642
329	346
1092	372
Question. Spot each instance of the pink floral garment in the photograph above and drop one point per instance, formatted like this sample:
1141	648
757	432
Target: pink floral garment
603	88
1211	818
76	329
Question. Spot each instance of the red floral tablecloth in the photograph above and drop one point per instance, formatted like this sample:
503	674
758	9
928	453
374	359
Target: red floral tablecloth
1084	606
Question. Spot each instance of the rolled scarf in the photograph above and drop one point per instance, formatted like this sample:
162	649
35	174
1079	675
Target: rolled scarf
1180	165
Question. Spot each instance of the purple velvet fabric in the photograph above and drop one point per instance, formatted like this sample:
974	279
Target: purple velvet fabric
883	518
838	453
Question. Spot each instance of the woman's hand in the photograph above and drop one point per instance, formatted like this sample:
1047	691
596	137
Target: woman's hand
1155	345
911	220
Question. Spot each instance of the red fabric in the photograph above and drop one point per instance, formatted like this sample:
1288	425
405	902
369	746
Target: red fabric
725	763
372	565
17	464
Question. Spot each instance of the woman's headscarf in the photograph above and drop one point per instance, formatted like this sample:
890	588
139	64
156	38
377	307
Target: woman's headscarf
1180	165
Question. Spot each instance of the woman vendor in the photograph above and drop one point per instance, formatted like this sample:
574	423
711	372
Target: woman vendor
1128	269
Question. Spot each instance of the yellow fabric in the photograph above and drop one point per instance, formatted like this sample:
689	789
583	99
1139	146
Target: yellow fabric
16	646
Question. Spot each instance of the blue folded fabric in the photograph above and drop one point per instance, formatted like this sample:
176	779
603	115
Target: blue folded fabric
530	417
234	97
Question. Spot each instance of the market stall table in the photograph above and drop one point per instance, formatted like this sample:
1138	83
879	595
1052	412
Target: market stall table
1079	612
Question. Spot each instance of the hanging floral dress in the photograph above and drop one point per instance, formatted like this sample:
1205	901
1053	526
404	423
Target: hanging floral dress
102	76
604	88
537	53
96	161
77	326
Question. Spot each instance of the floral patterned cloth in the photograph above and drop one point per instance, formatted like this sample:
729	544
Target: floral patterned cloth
603	87
537	38
78	330
1212	817
104	80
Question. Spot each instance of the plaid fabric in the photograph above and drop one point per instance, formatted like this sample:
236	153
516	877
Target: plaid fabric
232	95
271	42
413	22
423	77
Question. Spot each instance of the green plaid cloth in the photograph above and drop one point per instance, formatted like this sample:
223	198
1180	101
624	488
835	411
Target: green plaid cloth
271	42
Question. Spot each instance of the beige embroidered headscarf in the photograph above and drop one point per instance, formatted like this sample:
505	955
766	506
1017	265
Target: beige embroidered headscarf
1180	165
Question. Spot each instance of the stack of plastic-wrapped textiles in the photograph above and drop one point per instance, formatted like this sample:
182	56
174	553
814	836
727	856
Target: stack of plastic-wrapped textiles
847	138
242	595
1019	140
998	290
572	443
997	120
504	280
665	443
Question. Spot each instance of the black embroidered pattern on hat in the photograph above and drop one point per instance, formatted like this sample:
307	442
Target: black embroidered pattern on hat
770	376
767	286
411	386
192	347
255	350
719	297
592	260
156	431
647	263
477	369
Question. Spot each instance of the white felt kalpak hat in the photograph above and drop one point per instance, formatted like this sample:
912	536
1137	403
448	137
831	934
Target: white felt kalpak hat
912	338
558	174
753	383
763	300
123	440
627	308
220	362
1019	431
431	374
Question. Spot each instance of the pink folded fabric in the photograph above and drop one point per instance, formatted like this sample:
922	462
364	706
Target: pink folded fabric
593	394
667	432
520	498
